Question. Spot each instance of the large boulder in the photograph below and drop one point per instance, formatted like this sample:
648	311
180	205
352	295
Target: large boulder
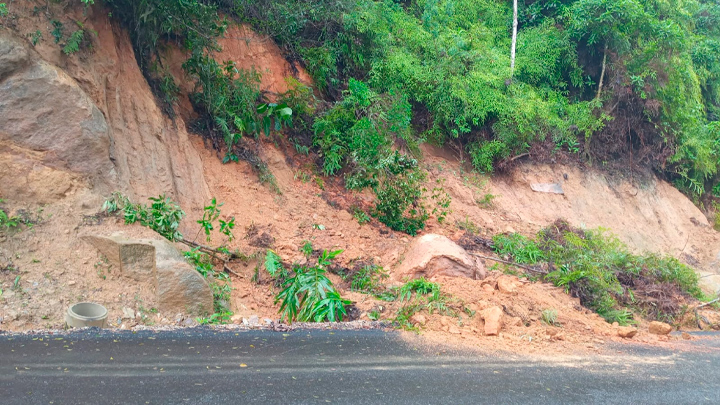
435	255
180	288
134	258
47	115
13	54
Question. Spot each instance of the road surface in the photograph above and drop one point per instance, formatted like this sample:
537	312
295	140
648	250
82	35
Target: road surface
205	366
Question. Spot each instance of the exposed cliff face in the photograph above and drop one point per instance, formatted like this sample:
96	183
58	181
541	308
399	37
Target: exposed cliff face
50	129
94	119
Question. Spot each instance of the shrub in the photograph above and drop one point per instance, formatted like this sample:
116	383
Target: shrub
308	295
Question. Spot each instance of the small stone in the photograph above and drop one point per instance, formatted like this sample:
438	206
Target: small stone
72	282
488	288
418	319
493	318
686	336
454	330
267	321
236	318
128	313
507	284
254	320
190	322
626	332
660	328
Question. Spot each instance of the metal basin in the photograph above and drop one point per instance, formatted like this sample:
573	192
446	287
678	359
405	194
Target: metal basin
85	314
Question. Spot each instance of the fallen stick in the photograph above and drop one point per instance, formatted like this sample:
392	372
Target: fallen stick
508	263
707	303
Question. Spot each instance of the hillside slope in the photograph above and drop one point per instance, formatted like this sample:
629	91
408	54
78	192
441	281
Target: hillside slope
101	98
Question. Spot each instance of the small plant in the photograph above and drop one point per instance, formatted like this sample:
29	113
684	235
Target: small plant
163	215
309	296
442	200
419	286
74	41
468	226
369	279
361	216
549	317
517	246
373	315
16	283
7	222
3	10
275	267
487	201
211	213
35	37
57	31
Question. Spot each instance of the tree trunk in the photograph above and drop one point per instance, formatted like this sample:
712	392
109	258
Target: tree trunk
602	74
514	38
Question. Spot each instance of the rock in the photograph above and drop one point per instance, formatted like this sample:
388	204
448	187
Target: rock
435	255
13	55
45	111
686	336
488	288
418	319
164	250
507	284
180	288
128	313
493	318
660	328
133	257
626	332
454	330
254	320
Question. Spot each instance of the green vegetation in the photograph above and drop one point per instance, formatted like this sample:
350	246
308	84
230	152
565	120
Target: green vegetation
599	269
7	222
164	216
624	83
3	10
307	294
422	295
549	317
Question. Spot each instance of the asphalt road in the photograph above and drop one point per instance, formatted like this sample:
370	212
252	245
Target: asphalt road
203	366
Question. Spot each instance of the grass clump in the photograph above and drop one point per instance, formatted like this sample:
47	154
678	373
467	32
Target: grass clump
420	295
599	269
549	317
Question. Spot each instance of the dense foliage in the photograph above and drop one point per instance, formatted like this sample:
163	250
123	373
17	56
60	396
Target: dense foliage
450	59
624	83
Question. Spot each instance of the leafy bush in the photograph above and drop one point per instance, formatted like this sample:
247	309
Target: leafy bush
308	295
162	215
599	269
3	10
